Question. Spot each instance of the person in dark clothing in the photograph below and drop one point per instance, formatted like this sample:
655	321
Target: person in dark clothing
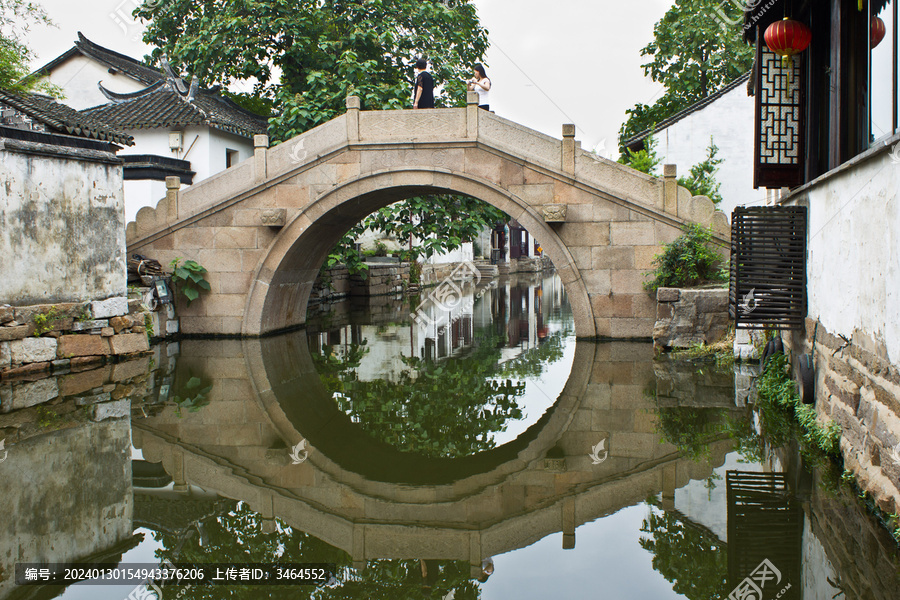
423	92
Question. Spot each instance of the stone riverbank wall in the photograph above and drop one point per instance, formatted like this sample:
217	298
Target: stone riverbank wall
688	317
63	298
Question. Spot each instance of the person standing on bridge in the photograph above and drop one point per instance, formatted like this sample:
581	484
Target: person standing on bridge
481	85
423	92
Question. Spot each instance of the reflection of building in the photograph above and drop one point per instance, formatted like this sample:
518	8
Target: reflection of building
520	312
511	242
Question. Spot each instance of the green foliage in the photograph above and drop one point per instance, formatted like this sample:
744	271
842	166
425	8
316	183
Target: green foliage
644	160
689	557
192	394
426	225
776	388
692	55
148	326
43	322
688	261
702	181
188	278
307	56
443	409
16	19
48	418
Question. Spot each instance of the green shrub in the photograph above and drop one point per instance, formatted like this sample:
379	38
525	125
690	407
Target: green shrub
688	261
189	279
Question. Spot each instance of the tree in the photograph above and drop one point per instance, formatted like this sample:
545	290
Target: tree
16	19
307	56
702	181
693	54
304	57
644	160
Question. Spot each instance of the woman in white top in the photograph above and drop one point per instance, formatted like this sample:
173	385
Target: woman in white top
481	85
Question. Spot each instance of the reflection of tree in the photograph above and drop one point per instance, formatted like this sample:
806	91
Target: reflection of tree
442	409
690	429
688	556
238	537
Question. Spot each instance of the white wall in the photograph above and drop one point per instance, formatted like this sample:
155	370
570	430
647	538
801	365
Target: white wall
854	252
207	157
63	233
729	120
79	76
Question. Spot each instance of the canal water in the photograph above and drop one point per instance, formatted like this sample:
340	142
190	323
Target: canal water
461	444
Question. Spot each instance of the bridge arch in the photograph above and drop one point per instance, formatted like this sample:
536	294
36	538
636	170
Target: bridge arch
281	284
263	227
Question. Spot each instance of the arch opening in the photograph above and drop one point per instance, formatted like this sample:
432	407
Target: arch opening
281	285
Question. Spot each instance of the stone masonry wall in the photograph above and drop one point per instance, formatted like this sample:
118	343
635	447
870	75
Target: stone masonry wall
858	387
687	317
60	337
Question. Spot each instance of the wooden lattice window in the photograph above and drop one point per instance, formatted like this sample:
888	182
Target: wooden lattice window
779	120
768	267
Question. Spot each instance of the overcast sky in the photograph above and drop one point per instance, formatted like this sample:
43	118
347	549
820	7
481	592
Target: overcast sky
582	54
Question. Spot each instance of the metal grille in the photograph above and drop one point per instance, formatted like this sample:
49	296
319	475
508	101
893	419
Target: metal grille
778	120
768	267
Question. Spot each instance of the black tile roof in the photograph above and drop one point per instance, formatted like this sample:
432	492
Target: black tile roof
59	118
171	103
665	123
126	65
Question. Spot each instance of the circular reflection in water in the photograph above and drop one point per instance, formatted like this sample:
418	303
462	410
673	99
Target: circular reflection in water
459	370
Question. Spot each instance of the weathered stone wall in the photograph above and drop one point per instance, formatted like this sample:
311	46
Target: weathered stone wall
63	233
687	317
59	337
859	388
65	473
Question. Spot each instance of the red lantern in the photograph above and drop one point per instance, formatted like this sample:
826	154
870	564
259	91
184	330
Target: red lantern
787	38
878	31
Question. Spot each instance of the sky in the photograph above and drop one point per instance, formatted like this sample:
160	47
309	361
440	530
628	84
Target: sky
550	61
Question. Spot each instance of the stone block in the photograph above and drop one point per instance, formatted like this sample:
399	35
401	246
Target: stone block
128	343
89	399
7	313
554	213
120	323
78	383
632	234
668	294
17	332
585	234
32	393
112	307
82	345
111	410
130	369
5	355
90	325
32	350
172	327
107	332
612	257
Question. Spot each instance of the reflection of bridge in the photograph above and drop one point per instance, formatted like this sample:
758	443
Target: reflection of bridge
373	501
264	227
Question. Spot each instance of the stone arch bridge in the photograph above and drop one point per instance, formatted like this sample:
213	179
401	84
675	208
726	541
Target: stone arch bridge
264	227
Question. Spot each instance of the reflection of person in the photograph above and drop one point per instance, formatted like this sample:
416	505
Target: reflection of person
423	92
487	569
481	85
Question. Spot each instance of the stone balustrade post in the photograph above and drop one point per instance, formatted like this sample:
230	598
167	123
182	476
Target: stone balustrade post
353	106
568	148
471	115
173	184
261	146
670	190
